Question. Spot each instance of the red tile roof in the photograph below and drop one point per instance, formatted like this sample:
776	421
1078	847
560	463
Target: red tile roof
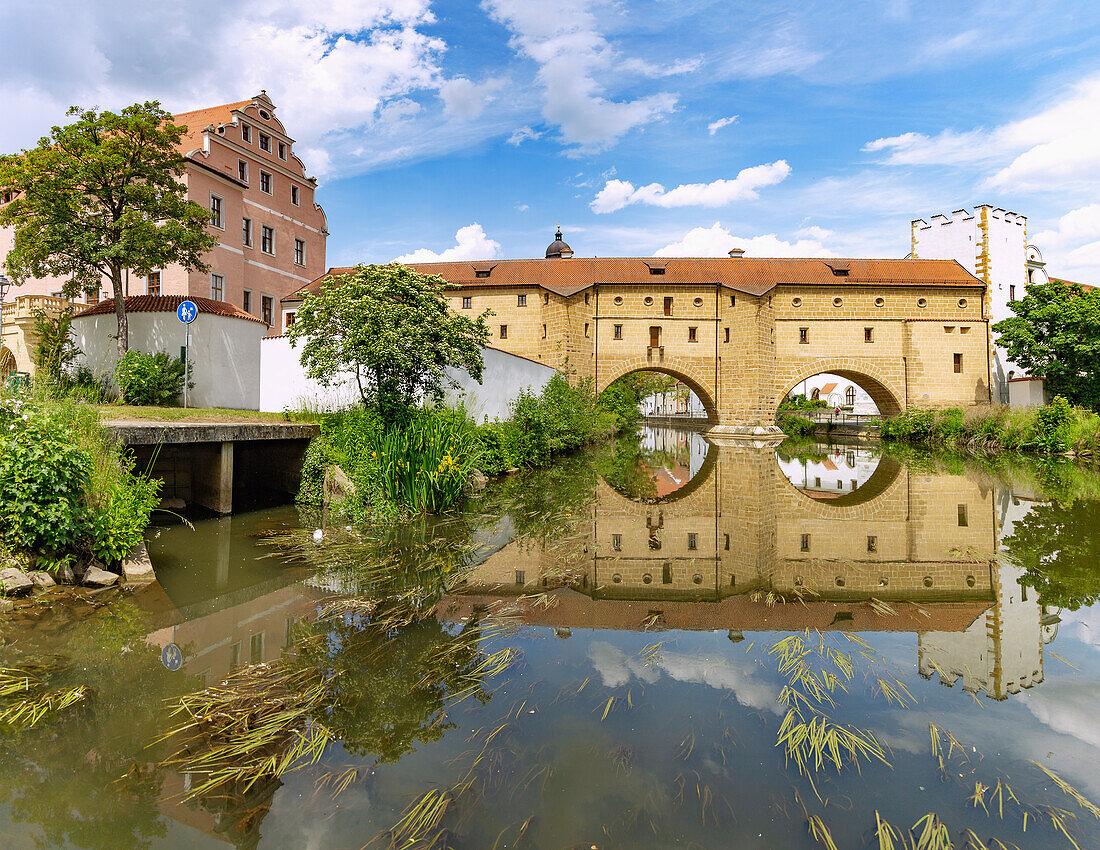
200	119
752	275
169	304
1072	283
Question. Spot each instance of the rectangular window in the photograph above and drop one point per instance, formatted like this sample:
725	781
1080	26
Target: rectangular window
868	334
295	196
246	133
727	334
872	543
217	287
544	331
242	170
654	336
666	574
246	232
265	142
692	539
1012	292
726	543
546	298
235	656
617	542
618	331
586	329
265	182
282	150
521	577
668	305
521	300
256	648
288	319
266	304
246	301
482	273
803	335
299	252
733	300
693	334
152	284
216	212
964	520
504	332
586	298
958	364
466	302
267	240
805	543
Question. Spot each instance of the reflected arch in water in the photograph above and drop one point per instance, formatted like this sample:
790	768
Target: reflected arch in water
681	371
699	476
884	390
864	477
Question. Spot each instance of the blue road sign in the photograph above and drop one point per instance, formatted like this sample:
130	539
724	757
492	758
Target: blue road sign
171	657
187	312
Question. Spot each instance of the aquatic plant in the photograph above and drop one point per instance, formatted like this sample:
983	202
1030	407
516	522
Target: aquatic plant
426	465
25	697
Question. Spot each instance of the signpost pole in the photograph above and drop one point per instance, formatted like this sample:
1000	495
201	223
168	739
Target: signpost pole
187	312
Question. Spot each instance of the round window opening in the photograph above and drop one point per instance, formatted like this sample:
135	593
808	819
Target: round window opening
880	302
647	578
697	579
264	114
928	581
796	302
962	303
922	302
838	301
618	299
840	581
970	581
698	302
616	578
883	582
648	301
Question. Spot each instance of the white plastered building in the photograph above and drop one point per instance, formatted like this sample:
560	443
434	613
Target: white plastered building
991	243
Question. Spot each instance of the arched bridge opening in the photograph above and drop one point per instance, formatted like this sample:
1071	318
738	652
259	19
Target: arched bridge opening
881	389
681	372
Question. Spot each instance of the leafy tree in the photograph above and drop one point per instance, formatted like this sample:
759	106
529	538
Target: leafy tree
390	328
1057	546
102	195
1055	335
55	350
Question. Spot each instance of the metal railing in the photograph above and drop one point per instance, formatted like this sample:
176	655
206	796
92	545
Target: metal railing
831	417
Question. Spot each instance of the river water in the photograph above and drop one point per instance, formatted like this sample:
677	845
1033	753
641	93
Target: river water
658	643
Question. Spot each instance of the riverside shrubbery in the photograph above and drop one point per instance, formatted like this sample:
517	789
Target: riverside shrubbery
1056	428
66	492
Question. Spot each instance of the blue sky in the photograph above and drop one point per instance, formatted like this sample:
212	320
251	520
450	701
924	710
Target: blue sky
469	129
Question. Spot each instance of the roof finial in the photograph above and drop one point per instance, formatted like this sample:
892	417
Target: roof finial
557	233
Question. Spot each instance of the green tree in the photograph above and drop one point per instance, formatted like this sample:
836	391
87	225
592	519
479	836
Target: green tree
390	328
1055	335
102	195
56	350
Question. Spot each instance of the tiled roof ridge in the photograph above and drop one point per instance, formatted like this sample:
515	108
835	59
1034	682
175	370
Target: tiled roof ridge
169	304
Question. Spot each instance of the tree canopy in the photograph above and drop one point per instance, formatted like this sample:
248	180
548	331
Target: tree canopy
390	329
1055	335
102	195
1057	546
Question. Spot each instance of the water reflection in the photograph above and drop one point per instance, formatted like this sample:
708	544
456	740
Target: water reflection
632	720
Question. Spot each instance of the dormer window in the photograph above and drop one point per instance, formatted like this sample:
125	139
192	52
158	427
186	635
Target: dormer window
481	273
656	270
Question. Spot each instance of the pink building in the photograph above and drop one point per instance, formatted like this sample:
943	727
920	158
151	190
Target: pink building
272	233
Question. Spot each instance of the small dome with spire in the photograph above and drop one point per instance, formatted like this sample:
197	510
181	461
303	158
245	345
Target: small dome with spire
557	249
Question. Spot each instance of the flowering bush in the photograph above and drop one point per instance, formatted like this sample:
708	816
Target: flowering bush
426	464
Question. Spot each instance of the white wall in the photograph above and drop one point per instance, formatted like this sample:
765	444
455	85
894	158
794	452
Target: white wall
224	352
863	406
283	382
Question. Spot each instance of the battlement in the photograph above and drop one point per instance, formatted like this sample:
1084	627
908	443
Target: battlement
964	215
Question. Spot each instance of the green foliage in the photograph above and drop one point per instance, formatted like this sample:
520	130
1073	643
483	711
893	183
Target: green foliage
390	327
101	195
1057	545
800	402
426	464
43	476
316	461
150	379
1055	335
55	351
1053	429
795	426
118	514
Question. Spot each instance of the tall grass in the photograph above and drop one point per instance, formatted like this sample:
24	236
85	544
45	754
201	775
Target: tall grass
426	465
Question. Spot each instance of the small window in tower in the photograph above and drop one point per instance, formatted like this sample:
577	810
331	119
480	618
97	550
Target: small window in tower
586	329
521	300
727	334
693	334
668	306
544	331
586	298
617	542
805	547
872	543
693	540
964	520
803	335
546	298
868	334
504	332
698	302
618	331
958	364
733	300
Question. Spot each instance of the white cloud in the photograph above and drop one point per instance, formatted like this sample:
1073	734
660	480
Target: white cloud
467	99
716	241
714	126
522	135
1074	245
617	194
946	148
523	207
471	243
571	56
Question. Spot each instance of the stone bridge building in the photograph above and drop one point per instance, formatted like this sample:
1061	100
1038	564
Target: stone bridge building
740	332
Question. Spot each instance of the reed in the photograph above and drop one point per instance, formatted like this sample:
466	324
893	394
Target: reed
25	698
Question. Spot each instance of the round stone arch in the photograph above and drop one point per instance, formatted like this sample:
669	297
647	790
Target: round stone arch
680	371
7	364
883	392
877	496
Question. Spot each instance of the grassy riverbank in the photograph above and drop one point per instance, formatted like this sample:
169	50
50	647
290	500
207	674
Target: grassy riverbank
68	496
424	464
1056	428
